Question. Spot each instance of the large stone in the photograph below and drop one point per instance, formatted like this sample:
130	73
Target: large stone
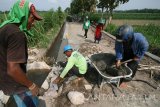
76	97
37	72
31	59
51	93
56	69
88	87
46	101
1	105
3	98
38	66
45	85
54	86
33	51
60	90
41	91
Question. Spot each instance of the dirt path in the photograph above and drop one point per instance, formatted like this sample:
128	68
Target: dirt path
76	38
136	94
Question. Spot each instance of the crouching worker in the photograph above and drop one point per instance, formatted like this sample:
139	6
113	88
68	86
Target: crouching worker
130	45
75	65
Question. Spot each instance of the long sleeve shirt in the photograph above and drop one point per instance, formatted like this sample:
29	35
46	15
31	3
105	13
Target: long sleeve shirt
139	46
75	59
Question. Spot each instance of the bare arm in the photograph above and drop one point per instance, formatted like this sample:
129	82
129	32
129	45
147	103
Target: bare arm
14	70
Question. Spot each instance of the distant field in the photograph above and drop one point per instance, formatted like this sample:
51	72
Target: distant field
119	22
122	18
142	16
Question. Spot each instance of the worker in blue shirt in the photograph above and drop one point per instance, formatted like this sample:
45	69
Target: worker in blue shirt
130	45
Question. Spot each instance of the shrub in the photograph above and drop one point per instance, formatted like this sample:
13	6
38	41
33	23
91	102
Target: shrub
111	28
45	30
151	32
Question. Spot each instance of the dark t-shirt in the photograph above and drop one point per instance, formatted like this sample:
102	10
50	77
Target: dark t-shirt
13	48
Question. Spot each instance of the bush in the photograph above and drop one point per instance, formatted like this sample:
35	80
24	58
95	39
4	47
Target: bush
111	28
151	32
45	30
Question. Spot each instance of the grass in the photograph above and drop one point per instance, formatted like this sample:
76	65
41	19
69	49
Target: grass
46	30
119	22
125	16
3	17
142	16
151	32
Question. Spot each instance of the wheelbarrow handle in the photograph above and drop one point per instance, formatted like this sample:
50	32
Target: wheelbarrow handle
124	62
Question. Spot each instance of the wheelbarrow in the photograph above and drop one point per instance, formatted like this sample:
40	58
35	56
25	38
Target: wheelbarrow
111	74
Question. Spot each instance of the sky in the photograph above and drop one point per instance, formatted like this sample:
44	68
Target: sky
49	4
39	4
140	4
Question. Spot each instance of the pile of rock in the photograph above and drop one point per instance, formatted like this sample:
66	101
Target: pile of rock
43	74
51	91
89	49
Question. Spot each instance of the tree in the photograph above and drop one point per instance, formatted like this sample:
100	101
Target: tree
60	15
67	10
78	6
110	5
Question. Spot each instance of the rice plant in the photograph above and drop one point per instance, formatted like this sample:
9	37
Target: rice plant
151	32
45	30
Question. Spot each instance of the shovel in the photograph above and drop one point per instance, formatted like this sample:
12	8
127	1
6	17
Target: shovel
123	62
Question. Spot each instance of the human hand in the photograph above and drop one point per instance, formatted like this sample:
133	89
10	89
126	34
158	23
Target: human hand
118	63
34	89
57	80
136	58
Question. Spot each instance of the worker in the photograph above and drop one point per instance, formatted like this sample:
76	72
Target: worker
13	56
86	26
98	31
130	45
75	65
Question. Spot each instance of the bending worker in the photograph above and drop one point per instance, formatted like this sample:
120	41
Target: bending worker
14	55
130	45
75	65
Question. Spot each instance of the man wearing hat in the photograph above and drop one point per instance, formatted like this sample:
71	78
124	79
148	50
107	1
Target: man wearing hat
13	55
76	64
